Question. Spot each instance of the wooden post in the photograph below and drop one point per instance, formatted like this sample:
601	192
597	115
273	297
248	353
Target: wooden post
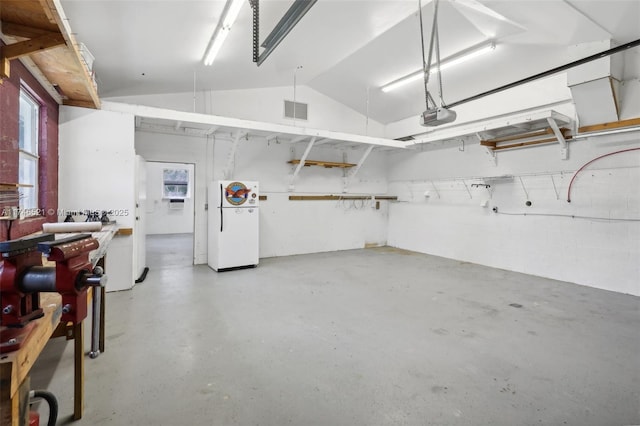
4	68
78	370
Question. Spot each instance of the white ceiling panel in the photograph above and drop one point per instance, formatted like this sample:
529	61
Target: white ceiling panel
346	48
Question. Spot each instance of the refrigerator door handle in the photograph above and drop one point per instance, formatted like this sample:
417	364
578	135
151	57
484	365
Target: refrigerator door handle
221	215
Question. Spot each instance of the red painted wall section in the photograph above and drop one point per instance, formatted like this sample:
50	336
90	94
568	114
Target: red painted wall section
48	149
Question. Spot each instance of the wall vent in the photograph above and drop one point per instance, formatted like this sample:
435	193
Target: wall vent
298	108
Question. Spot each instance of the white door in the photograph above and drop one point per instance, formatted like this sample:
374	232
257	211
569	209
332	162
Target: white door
140	233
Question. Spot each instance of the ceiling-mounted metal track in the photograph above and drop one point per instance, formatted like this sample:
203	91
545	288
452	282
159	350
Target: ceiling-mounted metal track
255	7
547	73
282	28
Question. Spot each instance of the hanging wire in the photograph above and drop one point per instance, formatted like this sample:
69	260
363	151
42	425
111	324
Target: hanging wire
426	64
437	37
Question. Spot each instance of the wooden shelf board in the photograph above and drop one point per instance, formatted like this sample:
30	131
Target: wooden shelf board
608	126
527	139
124	231
325	164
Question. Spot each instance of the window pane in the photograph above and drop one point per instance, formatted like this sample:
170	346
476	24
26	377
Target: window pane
175	191
175	175
28	126
28	176
29	118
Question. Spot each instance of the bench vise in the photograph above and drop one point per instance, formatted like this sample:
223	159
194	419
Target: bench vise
22	276
19	256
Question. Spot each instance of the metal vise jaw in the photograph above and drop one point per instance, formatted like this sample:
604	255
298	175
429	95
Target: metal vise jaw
73	273
18	305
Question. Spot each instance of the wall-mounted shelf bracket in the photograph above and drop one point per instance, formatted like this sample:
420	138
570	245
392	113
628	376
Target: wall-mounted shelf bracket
524	188
490	152
555	189
468	190
564	146
301	163
435	189
354	171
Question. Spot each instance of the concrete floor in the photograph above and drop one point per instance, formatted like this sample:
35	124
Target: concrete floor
362	337
169	250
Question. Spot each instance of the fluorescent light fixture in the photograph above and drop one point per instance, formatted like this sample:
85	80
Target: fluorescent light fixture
229	16
456	59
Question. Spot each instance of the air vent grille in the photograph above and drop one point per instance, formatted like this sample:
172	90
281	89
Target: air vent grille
295	110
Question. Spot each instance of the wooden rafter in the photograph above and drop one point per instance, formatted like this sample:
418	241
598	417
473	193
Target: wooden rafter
4	68
17	30
33	45
37	33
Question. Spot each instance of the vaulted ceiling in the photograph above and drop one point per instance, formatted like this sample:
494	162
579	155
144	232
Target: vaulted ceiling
344	49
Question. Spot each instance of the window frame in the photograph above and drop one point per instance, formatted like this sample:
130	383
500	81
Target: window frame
33	155
168	183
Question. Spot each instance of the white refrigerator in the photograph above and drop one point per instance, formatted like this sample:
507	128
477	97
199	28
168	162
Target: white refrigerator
233	224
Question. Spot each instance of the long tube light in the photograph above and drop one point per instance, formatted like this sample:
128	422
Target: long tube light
229	16
456	59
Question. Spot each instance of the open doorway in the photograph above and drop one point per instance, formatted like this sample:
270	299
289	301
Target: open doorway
169	214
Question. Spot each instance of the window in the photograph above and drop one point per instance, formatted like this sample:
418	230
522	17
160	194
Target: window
28	153
175	183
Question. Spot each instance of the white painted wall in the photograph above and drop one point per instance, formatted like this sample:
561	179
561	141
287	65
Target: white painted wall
594	252
286	227
161	217
265	105
451	223
97	172
296	227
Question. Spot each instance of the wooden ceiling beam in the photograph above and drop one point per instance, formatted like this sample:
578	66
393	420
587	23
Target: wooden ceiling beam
17	30
4	68
27	47
79	103
52	50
